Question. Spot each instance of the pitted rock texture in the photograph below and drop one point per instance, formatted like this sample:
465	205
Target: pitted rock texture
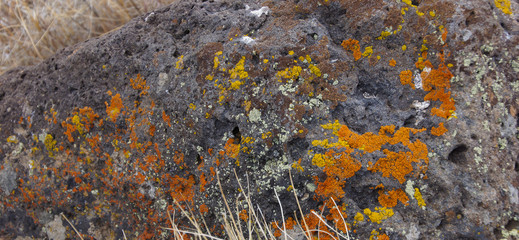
404	113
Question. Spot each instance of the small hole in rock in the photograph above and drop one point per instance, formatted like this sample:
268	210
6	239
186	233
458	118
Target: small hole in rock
237	134
457	155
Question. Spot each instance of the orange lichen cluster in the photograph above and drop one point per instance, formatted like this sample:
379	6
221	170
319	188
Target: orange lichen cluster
139	83
232	149
102	163
353	46
392	62
166	118
438	131
390	199
406	78
437	82
115	108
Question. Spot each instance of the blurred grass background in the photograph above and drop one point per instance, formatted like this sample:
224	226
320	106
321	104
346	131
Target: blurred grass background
33	30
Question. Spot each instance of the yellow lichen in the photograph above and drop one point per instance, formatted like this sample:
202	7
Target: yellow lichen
180	62
315	70
419	198
359	217
290	73
504	5
238	72
379	214
12	139
367	51
50	144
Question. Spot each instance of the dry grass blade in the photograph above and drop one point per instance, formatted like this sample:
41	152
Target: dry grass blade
298	205
234	226
342	218
79	234
33	30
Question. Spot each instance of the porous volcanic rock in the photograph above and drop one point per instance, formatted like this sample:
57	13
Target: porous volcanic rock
404	113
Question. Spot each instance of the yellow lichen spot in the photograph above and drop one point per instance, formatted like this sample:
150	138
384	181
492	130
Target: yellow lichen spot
12	139
297	166
79	126
301	58
290	73
207	115
382	214
308	58
216	62
378	57
218	53
504	5
34	150
367	51
266	135
180	63
104	66
239	70
404	47
408	2
221	98
404	10
209	77
315	70
265	60
321	160
289	188
192	106
450	65
248	140
420	13
424	48
290	52
50	144
359	217
432	13
419	198
384	35
236	85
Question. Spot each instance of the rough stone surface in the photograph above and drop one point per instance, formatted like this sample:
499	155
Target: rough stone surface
404	113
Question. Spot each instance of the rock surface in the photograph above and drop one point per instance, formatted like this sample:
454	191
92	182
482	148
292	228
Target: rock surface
402	112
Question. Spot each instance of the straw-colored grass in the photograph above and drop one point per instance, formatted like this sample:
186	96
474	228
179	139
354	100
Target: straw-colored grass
33	30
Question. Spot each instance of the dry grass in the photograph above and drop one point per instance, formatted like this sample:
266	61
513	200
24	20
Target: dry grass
255	226
33	30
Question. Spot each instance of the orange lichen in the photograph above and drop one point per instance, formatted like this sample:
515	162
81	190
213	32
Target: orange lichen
392	62
383	237
330	188
395	164
243	215
166	118
231	149
203	209
352	45
438	131
114	109
181	189
139	83
390	199
152	130
406	77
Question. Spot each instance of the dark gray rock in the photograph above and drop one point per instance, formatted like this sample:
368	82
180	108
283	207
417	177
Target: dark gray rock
254	88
